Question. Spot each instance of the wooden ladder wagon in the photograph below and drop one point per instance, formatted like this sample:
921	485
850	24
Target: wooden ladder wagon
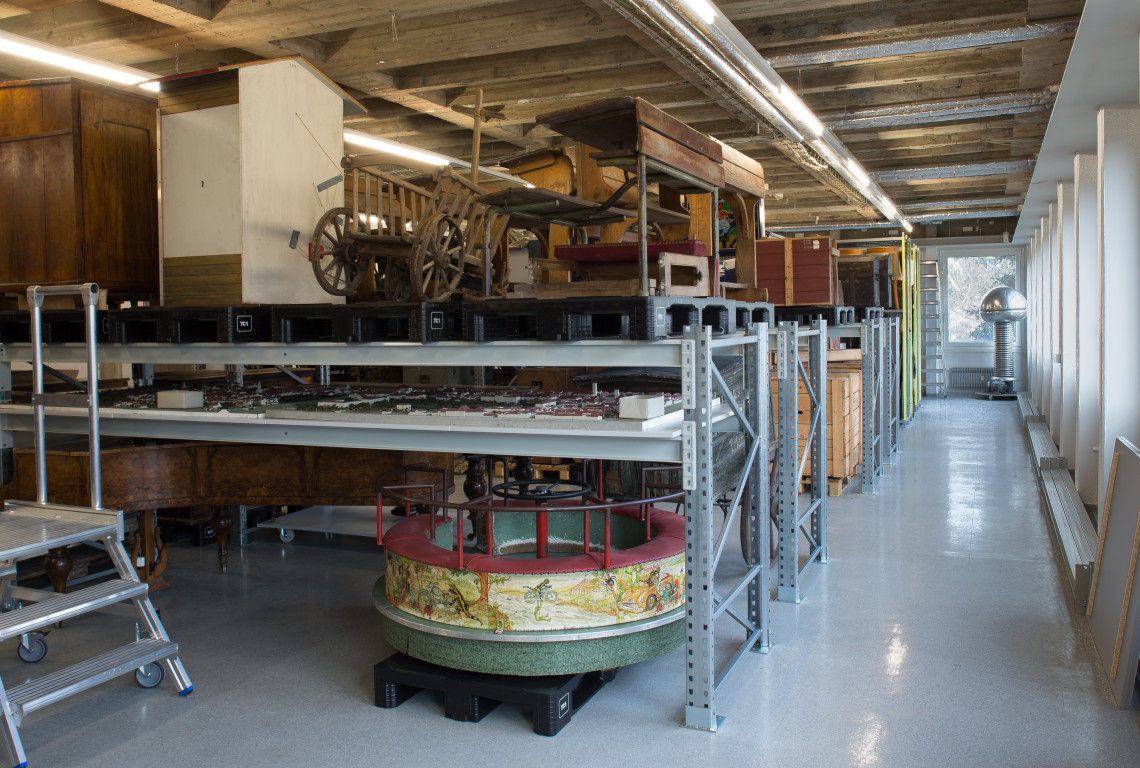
429	241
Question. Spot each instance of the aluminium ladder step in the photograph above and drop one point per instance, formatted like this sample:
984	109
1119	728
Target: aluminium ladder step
49	689
60	607
27	532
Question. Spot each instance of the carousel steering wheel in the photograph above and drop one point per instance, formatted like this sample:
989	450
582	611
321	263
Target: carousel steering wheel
541	490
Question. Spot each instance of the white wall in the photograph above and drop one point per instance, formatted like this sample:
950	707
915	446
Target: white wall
292	139
201	183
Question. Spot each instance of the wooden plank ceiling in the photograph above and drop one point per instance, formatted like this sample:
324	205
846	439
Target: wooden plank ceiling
949	99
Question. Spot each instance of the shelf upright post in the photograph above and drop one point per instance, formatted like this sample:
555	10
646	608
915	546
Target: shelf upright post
817	358
700	672
787	374
759	544
883	413
868	388
895	372
888	329
642	228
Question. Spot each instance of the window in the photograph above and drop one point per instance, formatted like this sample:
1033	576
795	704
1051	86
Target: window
968	280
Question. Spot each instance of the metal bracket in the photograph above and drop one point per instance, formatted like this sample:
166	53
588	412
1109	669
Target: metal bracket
781	348
689	455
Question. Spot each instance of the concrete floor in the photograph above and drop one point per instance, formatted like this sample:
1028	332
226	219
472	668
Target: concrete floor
941	633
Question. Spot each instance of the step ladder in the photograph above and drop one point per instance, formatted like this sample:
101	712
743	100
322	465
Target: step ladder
933	365
31	528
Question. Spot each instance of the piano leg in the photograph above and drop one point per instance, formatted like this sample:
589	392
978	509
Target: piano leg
222	523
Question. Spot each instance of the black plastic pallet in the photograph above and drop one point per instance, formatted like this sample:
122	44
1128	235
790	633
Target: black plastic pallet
629	318
748	312
58	326
502	320
142	325
469	696
806	314
223	325
393	321
295	323
868	313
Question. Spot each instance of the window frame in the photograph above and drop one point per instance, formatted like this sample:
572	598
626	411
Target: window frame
989	251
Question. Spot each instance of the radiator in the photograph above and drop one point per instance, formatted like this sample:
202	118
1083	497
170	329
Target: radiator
969	378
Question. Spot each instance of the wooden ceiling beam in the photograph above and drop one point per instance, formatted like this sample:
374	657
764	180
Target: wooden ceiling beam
381	85
890	19
550	61
503	28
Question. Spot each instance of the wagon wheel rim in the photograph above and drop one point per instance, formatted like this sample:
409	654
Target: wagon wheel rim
397	282
438	260
338	267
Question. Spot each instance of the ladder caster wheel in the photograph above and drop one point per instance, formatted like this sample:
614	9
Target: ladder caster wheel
150	675
33	654
287	535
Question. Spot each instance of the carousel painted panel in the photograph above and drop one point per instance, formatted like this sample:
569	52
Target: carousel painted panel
535	601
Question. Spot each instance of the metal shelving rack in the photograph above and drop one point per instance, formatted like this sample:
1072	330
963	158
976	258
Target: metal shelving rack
796	521
909	348
879	343
690	446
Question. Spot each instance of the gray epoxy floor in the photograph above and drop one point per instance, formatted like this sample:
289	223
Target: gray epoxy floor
941	633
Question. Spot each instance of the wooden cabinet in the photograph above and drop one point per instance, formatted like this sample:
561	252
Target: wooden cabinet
79	186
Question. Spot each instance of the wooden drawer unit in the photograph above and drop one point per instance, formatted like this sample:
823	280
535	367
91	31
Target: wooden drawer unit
79	185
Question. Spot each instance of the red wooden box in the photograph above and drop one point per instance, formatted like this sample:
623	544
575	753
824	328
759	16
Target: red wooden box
797	270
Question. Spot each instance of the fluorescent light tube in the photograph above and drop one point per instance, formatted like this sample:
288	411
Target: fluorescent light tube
858	172
703	8
803	117
76	62
394	148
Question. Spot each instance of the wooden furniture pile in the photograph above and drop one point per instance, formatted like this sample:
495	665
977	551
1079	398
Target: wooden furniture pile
667	245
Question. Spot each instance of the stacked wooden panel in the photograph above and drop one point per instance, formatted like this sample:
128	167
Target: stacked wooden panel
843	409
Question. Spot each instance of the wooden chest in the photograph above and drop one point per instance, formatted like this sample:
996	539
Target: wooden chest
79	186
796	270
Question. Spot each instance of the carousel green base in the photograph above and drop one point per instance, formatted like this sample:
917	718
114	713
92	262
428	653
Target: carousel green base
564	652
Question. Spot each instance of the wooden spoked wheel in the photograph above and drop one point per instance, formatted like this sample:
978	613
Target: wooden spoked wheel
437	259
396	280
339	270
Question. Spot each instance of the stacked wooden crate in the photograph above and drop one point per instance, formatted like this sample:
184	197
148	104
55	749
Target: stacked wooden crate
796	271
844	424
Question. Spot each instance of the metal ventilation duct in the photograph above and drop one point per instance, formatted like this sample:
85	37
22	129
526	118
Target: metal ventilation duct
964	170
1018	34
699	35
943	112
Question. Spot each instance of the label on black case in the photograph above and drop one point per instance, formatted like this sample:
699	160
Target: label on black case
436	321
244	323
